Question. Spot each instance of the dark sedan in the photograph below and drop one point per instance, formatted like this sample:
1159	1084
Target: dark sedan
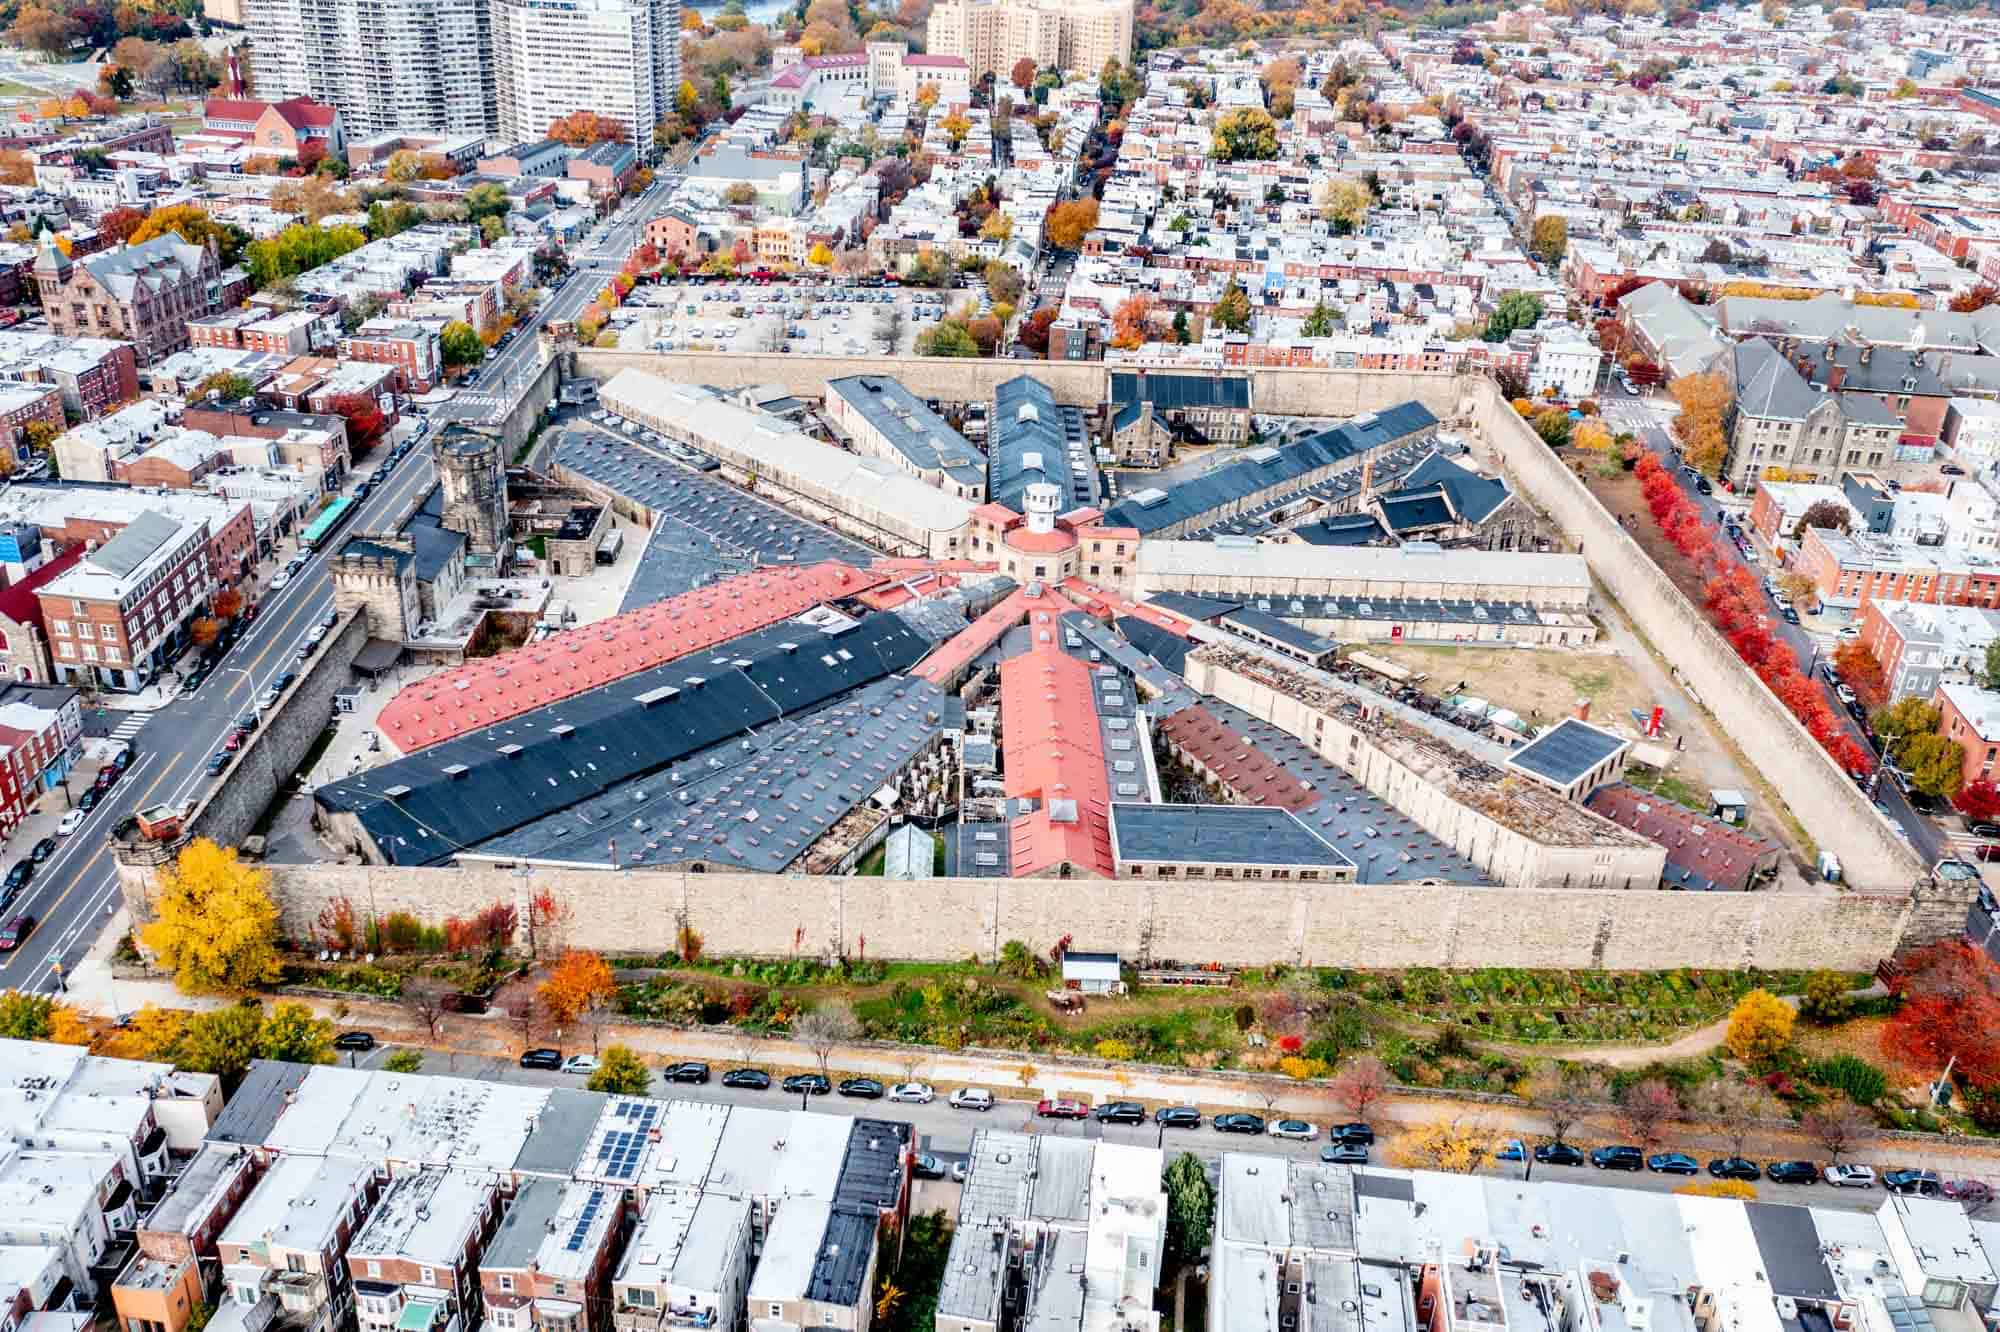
927	1166
43	850
1239	1123
1924	1182
1618	1158
1355	1132
1792	1172
1177	1116
1673	1163
1344	1153
18	876
547	1059
754	1079
1120	1112
1734	1167
354	1040
1558	1153
866	1088
813	1084
688	1071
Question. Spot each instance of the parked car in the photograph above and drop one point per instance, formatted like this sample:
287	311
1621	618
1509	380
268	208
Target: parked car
18	877
1672	1163
218	761
688	1070
1618	1158
354	1040
70	823
1120	1112
751	1079
15	932
971	1098
1734	1167
811	1084
1177	1116
959	1170
43	849
1355	1132
545	1059
916	1093
1924	1182
1511	1150
1850	1176
580	1064
1558	1153
1239	1123
926	1166
1298	1130
107	777
1984	829
1792	1172
1061	1108
867	1089
1344	1153
85	802
1971	1192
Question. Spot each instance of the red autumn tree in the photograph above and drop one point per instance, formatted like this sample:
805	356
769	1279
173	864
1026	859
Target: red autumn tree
365	423
1860	671
1978	801
1950	1012
1035	329
118	224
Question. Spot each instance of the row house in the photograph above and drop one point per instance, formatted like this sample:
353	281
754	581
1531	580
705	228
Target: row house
38	746
410	348
92	375
309	441
72	1200
24	636
688	1263
548	1265
291	333
177	1242
1853	570
415	1265
283	1254
23	403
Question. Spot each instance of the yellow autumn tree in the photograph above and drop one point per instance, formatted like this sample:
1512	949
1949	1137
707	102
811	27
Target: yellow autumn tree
820	256
1590	435
1704	401
215	926
1760	1027
1452	1145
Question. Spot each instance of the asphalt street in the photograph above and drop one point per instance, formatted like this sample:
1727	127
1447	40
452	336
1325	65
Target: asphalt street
1644	419
946	1133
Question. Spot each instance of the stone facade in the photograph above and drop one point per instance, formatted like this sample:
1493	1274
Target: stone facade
143	294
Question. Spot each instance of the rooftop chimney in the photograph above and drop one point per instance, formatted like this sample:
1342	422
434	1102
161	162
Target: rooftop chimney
1583	709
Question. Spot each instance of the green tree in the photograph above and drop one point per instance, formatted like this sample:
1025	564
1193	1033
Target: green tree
1517	309
26	1017
1002	282
299	248
620	1071
226	384
222	1041
391	218
1992	668
1190	1209
1245	134
1902	721
488	200
949	338
1181	332
291	1032
404	1061
1318	324
1826	1000
1232	308
1936	765
460	345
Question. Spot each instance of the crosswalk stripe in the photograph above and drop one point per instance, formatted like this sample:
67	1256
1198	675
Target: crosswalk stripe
131	726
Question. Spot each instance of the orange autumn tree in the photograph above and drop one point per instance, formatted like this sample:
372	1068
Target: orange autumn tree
581	129
579	982
1950	1013
1128	323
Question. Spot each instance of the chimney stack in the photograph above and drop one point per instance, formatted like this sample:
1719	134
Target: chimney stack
1583	709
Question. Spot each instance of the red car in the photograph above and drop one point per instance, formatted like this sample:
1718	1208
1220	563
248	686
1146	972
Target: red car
234	742
1061	1109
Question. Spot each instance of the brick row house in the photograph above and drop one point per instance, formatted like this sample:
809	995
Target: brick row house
411	348
415	1265
143	294
284	1253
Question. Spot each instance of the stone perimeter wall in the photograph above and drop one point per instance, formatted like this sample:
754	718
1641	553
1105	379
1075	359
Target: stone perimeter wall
1310	924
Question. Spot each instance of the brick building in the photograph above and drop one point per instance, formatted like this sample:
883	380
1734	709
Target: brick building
281	128
1852	570
311	441
1969	717
410	347
121	615
144	294
415	1265
93	375
549	1263
251	329
24	635
21	403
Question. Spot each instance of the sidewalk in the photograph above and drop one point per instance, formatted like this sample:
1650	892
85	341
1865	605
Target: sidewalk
1020	1077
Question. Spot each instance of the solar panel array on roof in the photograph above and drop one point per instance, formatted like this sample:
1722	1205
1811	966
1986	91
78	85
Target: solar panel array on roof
584	1220
621	1150
1189	501
423	809
1174	392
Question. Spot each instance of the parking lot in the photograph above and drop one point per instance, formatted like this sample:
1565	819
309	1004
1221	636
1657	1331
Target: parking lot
807	317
